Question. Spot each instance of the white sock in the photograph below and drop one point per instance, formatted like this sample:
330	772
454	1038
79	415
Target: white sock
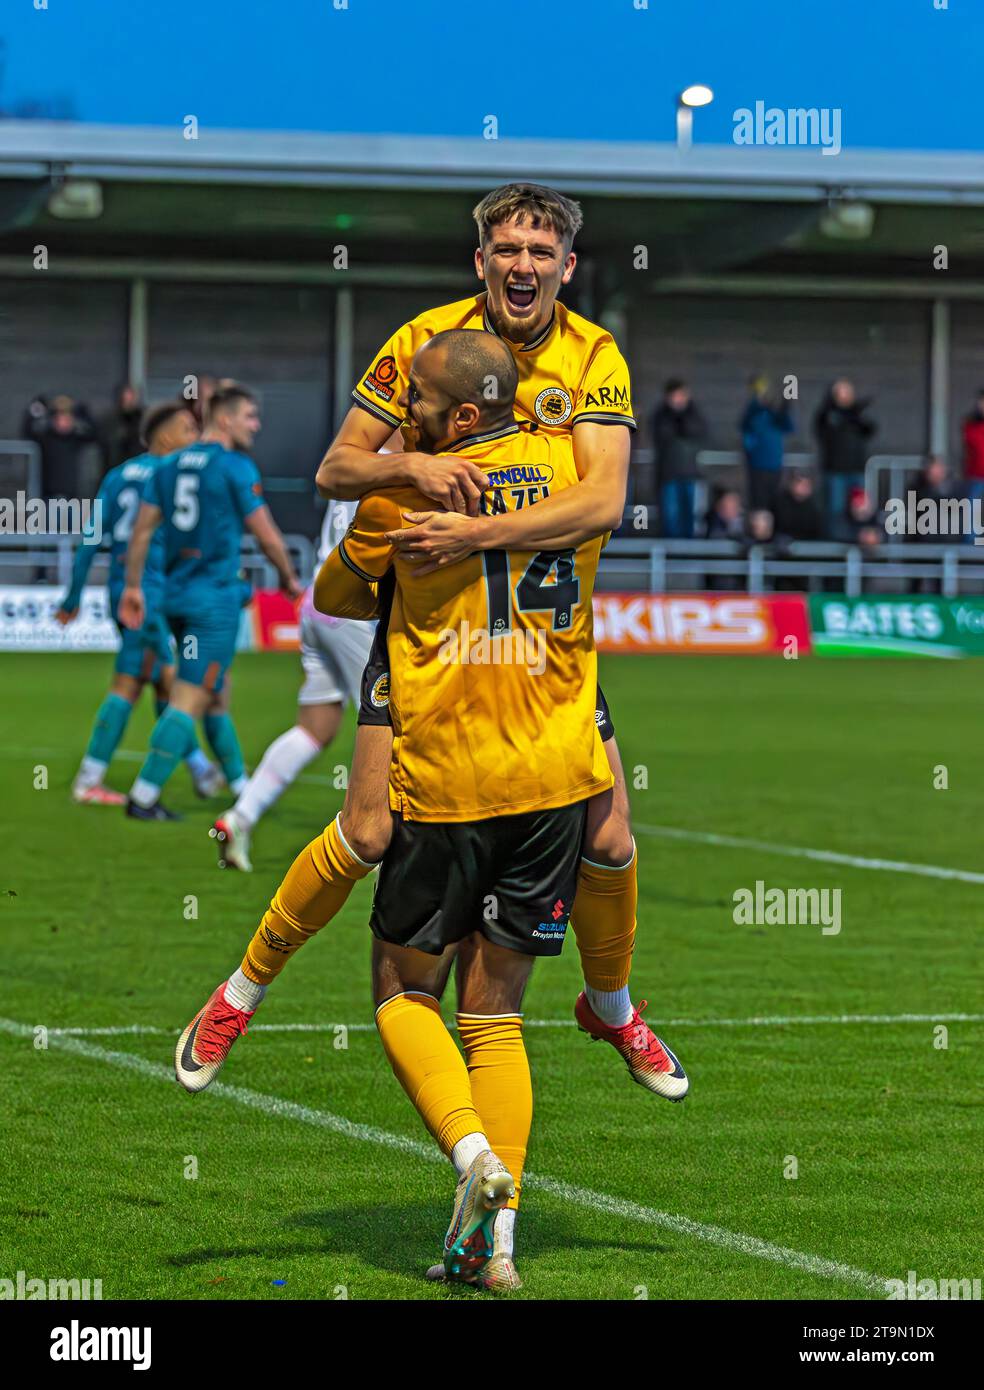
144	793
242	992
505	1231
613	1008
91	772
281	764
466	1150
198	762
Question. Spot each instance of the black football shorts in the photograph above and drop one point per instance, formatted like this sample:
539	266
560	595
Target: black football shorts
512	878
374	702
603	717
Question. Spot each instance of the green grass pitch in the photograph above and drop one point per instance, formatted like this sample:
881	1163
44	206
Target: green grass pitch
643	1198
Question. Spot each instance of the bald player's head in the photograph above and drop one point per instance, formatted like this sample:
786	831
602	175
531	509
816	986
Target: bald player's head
462	382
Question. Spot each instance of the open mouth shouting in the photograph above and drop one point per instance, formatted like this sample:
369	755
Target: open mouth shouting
521	297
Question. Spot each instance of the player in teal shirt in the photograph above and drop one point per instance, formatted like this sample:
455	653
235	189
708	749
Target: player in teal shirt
200	500
145	653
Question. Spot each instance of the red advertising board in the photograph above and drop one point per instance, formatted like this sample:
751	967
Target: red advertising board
709	622
275	621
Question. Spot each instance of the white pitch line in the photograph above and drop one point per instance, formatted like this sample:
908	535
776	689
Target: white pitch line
824	856
764	1021
735	1241
141	1029
783	1020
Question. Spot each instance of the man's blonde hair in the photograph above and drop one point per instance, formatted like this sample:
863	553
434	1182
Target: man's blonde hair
532	202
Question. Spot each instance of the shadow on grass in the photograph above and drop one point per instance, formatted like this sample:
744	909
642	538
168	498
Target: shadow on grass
405	1238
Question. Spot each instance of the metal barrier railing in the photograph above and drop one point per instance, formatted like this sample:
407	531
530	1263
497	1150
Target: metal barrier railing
48	559
656	566
899	470
660	566
885	475
258	568
20	467
895	465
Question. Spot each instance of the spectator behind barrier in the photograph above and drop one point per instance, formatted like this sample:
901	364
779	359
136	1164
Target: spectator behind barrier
679	429
120	427
843	429
763	426
937	484
761	527
64	430
864	526
797	514
724	521
973	440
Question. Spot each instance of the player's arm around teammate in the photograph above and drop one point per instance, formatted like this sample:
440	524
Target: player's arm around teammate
605	911
565	519
602	459
525	255
353	466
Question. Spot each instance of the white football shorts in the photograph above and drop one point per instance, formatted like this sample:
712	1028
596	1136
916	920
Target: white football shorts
334	653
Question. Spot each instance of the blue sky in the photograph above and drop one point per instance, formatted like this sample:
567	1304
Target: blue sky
904	74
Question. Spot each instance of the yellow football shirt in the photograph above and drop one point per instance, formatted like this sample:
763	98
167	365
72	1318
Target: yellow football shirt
572	372
493	671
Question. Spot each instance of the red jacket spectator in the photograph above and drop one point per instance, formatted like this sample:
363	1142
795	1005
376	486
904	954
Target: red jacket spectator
973	437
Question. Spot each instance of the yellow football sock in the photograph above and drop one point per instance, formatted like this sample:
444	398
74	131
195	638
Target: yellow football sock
604	922
500	1085
428	1066
314	888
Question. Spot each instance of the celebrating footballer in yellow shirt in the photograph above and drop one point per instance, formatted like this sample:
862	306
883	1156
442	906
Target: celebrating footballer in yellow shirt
571	381
495	756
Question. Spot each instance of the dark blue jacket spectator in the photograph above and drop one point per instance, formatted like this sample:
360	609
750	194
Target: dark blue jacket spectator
763	426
